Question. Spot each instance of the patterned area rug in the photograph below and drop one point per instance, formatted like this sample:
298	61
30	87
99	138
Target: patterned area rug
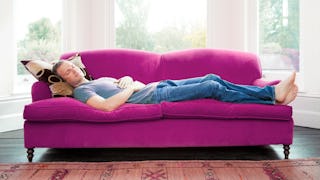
166	170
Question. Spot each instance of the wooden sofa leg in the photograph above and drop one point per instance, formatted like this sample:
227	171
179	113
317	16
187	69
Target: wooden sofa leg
30	152
286	150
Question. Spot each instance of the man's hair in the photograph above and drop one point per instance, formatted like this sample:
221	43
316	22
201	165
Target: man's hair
55	67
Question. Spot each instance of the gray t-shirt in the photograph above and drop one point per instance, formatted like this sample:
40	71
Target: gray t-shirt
106	87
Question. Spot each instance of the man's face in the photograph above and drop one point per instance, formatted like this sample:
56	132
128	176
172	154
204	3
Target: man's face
70	73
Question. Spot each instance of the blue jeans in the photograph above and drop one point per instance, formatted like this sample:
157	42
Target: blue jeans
212	86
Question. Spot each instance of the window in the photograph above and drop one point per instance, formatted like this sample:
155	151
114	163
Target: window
160	25
279	34
37	34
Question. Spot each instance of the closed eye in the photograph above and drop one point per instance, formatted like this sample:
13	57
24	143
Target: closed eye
69	69
67	72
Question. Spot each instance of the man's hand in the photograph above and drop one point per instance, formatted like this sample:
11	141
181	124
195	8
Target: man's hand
124	82
127	82
137	86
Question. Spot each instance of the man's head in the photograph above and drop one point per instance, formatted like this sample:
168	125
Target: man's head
69	72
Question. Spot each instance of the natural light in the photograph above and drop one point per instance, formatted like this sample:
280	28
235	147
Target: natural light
161	25
26	13
279	35
164	13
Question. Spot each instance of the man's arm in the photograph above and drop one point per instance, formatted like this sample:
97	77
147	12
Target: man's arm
116	100
112	102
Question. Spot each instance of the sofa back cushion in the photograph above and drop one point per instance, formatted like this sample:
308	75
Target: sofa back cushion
116	63
235	66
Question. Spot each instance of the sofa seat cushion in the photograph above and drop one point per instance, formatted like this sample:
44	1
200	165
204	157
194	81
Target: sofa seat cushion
208	108
68	109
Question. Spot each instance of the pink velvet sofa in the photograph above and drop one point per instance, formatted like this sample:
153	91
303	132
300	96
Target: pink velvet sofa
67	123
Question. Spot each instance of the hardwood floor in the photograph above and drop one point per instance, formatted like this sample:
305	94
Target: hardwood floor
306	144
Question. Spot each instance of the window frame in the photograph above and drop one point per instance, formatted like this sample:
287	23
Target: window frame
308	56
253	46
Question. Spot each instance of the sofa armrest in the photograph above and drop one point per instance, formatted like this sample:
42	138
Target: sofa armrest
262	82
40	90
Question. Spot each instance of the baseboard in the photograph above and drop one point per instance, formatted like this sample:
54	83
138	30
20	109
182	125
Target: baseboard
306	111
11	114
11	122
307	119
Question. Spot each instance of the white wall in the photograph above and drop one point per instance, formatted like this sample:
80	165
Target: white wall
7	58
11	108
88	25
227	24
307	106
232	24
310	48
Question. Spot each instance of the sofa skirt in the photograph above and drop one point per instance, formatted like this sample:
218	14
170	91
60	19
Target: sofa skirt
158	133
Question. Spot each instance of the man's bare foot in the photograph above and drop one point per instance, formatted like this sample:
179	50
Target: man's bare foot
291	95
284	87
